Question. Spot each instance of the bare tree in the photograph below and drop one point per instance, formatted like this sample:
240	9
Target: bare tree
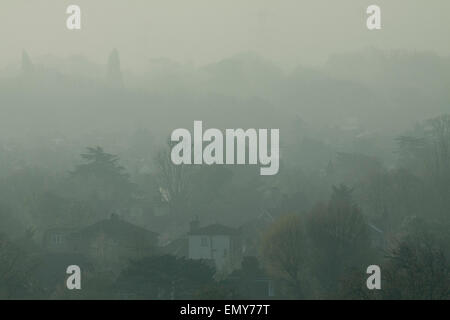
439	137
173	180
285	253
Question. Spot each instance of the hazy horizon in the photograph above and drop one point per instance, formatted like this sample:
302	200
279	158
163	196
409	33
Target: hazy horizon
281	31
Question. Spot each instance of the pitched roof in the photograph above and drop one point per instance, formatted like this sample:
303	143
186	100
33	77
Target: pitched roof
117	229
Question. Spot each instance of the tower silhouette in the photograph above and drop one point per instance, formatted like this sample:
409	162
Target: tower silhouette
113	72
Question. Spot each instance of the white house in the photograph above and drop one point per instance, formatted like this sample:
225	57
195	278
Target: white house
217	243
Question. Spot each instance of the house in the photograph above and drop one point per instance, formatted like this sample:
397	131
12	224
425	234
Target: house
112	242
56	240
109	244
217	243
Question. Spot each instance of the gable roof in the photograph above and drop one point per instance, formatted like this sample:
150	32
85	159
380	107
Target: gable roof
117	229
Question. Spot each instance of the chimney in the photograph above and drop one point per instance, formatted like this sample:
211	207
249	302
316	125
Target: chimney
194	224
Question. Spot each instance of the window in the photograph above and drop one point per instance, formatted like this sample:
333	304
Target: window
204	241
57	239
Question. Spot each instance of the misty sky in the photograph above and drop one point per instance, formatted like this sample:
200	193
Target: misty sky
290	32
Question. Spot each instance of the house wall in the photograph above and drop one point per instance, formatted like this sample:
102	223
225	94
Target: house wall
215	247
109	254
56	241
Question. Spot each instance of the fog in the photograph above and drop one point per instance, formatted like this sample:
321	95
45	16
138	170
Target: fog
87	178
289	32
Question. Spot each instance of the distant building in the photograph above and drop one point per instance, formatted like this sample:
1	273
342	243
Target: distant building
113	242
216	242
114	76
27	66
109	244
56	240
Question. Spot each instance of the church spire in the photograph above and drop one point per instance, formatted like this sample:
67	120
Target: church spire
27	66
113	71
